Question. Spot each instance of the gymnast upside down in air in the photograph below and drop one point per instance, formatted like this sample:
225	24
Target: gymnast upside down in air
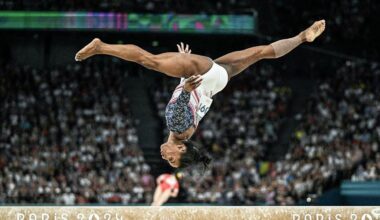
201	78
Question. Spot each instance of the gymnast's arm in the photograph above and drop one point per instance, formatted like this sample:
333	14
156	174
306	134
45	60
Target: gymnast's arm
183	99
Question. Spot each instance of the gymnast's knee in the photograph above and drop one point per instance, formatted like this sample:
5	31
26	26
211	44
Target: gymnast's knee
148	61
266	52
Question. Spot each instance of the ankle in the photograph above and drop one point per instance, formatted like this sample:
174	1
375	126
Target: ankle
98	46
302	36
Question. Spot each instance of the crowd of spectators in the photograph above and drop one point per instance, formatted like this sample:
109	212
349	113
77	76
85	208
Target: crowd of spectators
67	137
338	133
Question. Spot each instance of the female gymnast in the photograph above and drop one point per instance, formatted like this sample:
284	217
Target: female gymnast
167	186
201	78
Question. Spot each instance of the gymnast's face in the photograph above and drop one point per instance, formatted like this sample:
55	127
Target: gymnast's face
172	153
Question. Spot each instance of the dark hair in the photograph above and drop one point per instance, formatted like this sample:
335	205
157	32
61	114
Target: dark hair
194	156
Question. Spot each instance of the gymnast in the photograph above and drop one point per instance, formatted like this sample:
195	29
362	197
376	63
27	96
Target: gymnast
201	78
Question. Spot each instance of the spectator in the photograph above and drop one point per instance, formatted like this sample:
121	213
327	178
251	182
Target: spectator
68	137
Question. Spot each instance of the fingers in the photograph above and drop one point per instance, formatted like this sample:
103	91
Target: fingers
195	80
179	49
197	83
182	48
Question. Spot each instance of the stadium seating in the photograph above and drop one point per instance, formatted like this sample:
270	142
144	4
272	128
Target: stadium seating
67	137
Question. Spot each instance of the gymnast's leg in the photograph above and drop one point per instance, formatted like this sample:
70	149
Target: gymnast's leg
238	61
172	64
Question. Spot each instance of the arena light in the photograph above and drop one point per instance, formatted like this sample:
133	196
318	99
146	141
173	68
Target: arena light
179	23
189	212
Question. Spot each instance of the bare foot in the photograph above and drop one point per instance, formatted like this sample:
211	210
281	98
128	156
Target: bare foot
89	50
314	31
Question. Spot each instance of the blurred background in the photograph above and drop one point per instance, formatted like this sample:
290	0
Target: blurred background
303	129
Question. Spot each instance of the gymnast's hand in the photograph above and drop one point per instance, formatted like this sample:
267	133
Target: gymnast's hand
183	49
192	83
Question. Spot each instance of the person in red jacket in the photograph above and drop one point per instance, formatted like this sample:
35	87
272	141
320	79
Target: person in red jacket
167	186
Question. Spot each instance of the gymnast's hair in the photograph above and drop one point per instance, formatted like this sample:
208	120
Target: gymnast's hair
194	157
